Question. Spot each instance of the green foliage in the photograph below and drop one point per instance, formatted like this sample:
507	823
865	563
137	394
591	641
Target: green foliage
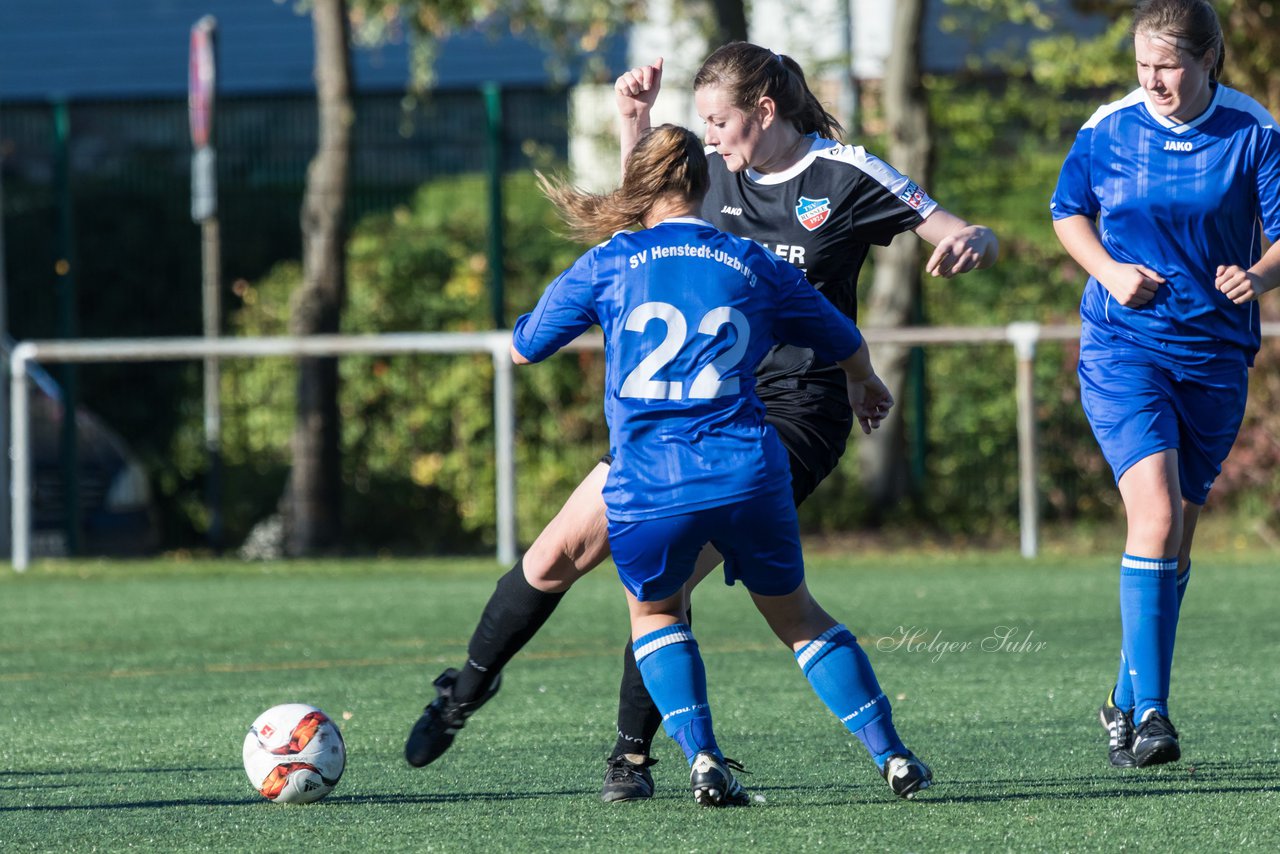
418	436
418	440
569	28
1068	63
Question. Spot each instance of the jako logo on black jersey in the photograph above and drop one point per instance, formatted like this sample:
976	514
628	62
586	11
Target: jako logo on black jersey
731	211
812	212
1175	145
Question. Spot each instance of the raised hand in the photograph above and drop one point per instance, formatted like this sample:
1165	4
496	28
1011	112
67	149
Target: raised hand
636	90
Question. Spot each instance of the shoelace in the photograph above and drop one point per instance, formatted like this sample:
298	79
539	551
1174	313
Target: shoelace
1158	726
621	768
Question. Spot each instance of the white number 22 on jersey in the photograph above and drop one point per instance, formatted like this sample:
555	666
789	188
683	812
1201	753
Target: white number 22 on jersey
708	383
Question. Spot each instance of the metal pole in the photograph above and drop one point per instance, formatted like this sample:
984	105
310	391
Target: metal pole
5	539
504	437
493	110
212	274
201	100
1024	336
65	283
21	506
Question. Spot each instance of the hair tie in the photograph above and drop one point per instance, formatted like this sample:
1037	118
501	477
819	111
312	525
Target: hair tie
778	57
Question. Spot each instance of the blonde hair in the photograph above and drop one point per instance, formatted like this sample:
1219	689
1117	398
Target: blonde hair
747	72
667	162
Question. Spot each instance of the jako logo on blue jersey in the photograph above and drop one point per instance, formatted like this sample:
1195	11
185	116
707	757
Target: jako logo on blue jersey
812	212
1175	145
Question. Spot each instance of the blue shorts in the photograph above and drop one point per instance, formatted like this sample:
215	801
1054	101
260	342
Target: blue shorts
759	538
1137	409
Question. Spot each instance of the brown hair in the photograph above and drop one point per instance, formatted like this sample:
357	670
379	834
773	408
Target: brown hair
667	162
1193	23
746	73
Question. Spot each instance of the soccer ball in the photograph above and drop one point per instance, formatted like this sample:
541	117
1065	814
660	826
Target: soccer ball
294	754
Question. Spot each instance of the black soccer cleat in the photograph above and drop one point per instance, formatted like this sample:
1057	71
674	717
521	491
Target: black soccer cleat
713	783
1119	726
1155	742
906	775
441	720
625	780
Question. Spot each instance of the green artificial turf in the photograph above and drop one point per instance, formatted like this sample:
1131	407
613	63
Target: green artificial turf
126	690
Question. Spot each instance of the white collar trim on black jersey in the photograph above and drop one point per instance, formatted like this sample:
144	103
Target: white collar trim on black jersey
1180	127
816	144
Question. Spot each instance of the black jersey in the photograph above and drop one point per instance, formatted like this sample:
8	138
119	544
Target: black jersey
822	215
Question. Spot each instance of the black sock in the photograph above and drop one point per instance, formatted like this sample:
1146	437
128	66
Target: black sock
638	718
512	616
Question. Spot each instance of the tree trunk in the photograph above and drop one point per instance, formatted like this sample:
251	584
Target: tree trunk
312	500
895	290
731	22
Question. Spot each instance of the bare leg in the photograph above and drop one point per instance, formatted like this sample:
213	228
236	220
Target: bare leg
1153	505
795	618
841	675
675	672
638	718
1156	539
575	542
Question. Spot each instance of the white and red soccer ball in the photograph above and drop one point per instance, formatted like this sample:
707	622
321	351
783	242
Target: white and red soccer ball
294	754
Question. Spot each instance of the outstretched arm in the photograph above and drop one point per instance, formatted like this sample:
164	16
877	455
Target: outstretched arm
635	92
1132	285
958	246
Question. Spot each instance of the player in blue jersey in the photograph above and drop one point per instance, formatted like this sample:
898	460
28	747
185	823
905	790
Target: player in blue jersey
688	312
1164	199
778	176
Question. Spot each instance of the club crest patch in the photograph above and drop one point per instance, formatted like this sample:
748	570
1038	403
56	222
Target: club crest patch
913	196
812	212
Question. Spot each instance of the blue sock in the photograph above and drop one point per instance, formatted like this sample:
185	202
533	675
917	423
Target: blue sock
841	676
1123	695
1148	617
671	667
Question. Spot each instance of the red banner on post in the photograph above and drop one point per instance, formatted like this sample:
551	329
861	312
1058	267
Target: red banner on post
201	80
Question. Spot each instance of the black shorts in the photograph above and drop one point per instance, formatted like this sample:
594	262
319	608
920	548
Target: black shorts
814	428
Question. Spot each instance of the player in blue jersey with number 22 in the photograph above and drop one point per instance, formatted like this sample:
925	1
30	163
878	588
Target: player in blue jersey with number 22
688	313
1164	199
778	176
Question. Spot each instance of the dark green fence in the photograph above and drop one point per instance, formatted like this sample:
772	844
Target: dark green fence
100	241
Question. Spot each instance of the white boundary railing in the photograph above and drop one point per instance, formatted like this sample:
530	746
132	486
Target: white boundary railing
496	343
1022	336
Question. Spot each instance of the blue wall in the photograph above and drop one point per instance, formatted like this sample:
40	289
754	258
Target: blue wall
138	49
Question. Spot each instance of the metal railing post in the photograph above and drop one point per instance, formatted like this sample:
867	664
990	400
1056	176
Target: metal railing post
1024	336
20	434
504	438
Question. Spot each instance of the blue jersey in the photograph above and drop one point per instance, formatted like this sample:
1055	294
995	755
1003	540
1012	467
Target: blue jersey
1180	199
688	312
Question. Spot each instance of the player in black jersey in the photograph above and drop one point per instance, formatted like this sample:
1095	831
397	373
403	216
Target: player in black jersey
780	177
